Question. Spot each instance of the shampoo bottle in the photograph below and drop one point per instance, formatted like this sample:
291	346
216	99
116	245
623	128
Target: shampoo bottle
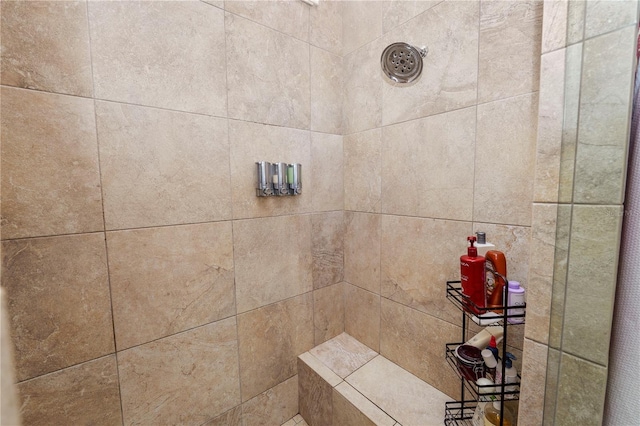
515	298
472	277
496	262
510	374
492	415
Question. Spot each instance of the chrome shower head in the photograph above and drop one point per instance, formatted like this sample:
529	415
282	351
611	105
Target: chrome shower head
402	62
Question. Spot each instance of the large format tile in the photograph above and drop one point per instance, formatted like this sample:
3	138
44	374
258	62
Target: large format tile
327	169
397	12
83	394
252	142
363	171
59	303
534	370
325	26
427	166
45	46
505	160
603	16
554	25
362	315
361	23
605	97
154	376
151	176
232	417
327	248
50	177
418	257
274	406
351	408
262	363
268	75
164	54
343	354
416	341
327	88
362	250
272	260
167	280
510	40
449	77
328	312
315	391
362	98
404	397
289	17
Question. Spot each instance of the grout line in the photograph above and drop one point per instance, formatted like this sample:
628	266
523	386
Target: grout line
475	135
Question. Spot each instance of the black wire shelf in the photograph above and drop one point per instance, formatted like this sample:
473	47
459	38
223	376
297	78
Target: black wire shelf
485	316
459	413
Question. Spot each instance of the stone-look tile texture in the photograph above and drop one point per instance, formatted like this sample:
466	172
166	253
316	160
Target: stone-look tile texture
45	46
449	78
361	23
268	75
289	17
554	25
397	12
143	54
58	299
9	404
505	160
327	248
50	177
416	341
534	371
325	26
362	100
274	406
362	315
232	417
510	39
362	250
604	16
315	395
272	260
328	312
167	280
264	364
83	394
427	166
326	91
560	266
605	96
343	354
351	408
327	169
153	376
363	171
151	176
418	257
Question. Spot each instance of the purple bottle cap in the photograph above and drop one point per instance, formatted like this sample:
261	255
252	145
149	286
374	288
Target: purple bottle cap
514	285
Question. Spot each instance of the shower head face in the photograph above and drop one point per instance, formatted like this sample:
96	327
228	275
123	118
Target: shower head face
402	62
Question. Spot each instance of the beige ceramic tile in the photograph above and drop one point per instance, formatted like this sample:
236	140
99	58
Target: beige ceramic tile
551	386
167	280
326	91
50	177
362	99
362	315
449	78
9	404
272	260
315	394
534	370
418	257
274	406
361	23
251	142
605	98
416	342
343	354
83	394
154	376
151	176
268	75
591	281
540	282
45	46
510	39
143	55
327	248
289	17
397	12
232	417
603	16
505	160
575	20
550	122
263	364
216	3
328	312
427	166
362	171
321	370
351	408
327	169
560	265
404	396
59	304
581	392
325	26
554	25
362	250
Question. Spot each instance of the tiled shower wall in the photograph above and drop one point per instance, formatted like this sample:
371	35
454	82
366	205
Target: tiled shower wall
430	163
147	284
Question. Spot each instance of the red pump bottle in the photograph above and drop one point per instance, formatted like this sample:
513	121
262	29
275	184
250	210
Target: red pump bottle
472	276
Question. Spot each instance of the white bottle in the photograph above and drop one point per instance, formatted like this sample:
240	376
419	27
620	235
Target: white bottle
482	245
510	375
478	415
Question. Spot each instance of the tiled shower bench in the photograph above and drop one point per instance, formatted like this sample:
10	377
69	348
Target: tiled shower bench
344	383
